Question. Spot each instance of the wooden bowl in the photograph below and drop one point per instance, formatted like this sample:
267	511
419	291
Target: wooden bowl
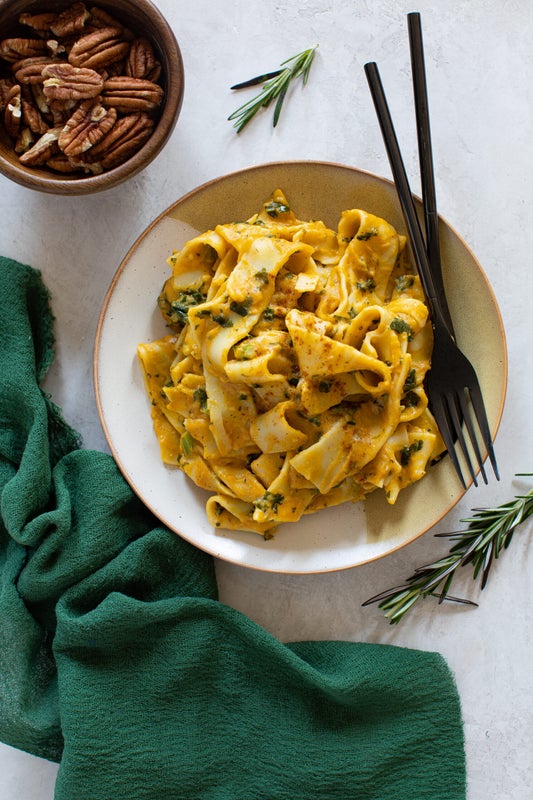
143	19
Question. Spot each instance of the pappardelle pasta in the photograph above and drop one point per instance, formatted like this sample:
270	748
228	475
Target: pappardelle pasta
292	378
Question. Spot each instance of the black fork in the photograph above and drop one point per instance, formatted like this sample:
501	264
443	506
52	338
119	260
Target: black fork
452	385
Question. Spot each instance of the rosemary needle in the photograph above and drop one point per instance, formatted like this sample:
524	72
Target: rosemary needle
489	531
275	86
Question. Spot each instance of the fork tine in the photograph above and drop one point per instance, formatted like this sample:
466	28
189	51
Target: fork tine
481	416
465	412
442	419
453	401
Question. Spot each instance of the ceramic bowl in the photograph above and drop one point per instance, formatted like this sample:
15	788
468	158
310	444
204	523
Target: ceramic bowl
335	538
143	19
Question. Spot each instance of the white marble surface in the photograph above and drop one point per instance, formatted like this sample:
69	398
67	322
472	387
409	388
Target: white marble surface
479	61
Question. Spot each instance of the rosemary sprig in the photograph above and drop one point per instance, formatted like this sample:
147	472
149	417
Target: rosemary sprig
275	86
489	531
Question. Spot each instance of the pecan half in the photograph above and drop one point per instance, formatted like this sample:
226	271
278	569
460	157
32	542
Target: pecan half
30	70
131	94
71	21
141	61
39	22
98	49
13	111
16	49
123	140
65	82
43	149
86	127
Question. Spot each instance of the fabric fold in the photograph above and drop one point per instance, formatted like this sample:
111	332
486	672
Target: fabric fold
118	661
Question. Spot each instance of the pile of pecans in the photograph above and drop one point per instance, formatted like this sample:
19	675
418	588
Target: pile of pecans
81	93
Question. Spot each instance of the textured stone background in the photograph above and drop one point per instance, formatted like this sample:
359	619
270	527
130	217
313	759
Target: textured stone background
479	59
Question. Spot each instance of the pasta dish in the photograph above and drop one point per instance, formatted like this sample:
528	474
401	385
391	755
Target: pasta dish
292	376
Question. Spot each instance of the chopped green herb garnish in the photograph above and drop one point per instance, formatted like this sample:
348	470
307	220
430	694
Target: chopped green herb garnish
241	308
404	282
274	208
221	320
270	501
364	237
200	396
187	443
262	276
179	308
410	400
245	351
407	452
401	326
366	286
410	381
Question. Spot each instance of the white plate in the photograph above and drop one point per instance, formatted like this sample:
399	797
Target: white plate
333	539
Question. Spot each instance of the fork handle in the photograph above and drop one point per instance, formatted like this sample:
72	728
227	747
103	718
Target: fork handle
403	189
425	154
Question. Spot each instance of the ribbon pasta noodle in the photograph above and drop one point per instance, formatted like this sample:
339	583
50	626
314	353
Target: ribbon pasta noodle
292	376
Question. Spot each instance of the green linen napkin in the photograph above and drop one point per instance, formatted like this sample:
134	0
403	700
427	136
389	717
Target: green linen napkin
118	661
